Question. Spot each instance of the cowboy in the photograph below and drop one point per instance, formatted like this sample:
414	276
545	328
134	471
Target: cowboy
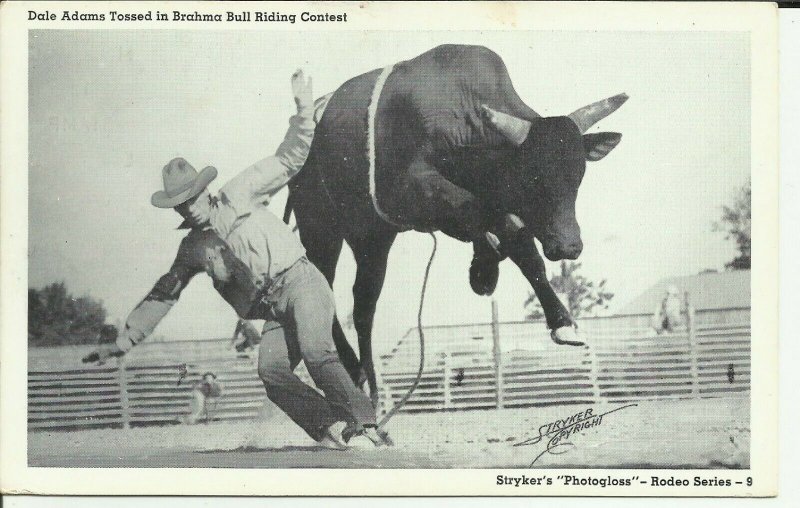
245	337
668	315
204	393
259	267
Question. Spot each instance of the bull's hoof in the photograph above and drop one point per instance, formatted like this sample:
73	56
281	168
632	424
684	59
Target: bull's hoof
387	440
483	275
566	336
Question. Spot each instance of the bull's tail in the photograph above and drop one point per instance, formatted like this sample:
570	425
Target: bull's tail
319	109
287	210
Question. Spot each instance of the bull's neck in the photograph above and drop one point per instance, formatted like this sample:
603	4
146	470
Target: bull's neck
476	168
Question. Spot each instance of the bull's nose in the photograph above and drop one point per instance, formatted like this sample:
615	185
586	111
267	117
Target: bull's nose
569	251
573	250
572	254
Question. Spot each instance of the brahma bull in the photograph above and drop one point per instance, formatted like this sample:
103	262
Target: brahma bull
454	149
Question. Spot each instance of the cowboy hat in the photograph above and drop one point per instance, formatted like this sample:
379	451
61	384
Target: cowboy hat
181	183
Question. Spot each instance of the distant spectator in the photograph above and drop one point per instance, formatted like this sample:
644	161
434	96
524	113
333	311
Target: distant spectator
459	377
669	314
245	336
205	394
183	371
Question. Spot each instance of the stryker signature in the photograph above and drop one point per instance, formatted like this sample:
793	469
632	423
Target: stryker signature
558	432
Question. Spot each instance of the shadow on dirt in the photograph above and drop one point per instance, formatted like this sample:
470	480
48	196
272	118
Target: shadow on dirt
281	449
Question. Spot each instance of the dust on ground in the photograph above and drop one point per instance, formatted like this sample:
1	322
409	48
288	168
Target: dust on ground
698	433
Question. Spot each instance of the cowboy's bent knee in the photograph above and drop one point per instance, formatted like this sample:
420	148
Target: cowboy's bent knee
315	357
273	373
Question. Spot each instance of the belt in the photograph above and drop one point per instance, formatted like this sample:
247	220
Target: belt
261	306
278	280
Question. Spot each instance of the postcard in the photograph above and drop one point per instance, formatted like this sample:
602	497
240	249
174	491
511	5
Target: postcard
407	248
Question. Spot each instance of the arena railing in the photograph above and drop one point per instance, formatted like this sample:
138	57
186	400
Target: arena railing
623	361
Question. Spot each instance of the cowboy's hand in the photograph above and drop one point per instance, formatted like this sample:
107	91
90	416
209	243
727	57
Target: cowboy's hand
103	353
301	88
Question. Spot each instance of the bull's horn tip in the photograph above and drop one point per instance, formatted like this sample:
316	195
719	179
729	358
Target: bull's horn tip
622	97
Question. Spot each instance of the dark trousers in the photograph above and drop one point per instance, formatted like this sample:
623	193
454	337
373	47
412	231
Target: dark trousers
302	302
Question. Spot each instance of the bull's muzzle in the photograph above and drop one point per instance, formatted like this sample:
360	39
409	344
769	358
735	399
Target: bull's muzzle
559	250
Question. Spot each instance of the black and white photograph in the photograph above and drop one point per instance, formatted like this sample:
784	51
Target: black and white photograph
268	237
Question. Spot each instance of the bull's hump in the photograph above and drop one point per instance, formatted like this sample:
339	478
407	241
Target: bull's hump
448	85
458	54
354	94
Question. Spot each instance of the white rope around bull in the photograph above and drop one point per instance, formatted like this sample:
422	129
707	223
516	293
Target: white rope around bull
372	112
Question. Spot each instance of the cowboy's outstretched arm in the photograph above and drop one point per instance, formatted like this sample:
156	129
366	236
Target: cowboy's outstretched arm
151	310
260	181
144	318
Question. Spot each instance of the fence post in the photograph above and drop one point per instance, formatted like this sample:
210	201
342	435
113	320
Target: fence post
384	397
498	357
594	372
448	397
691	335
122	379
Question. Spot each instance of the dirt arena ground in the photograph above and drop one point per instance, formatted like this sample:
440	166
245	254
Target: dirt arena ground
705	433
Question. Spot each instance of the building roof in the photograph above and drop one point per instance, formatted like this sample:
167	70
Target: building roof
707	291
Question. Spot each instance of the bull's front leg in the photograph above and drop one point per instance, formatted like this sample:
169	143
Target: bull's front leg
484	269
518	244
440	204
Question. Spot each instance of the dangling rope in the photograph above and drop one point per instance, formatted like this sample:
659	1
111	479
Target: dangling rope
414	385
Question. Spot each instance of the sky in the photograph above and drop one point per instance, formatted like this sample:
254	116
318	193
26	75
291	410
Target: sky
107	109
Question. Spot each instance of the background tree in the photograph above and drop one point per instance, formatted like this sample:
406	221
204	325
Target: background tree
579	294
55	317
735	223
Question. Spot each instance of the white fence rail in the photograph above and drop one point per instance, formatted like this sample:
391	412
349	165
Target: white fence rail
139	394
639	365
618	366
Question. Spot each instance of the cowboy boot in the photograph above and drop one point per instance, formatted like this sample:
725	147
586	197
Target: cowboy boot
371	434
484	269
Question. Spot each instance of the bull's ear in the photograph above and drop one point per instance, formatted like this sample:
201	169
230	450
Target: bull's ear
597	146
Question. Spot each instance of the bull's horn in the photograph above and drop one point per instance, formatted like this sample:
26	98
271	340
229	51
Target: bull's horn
513	128
593	113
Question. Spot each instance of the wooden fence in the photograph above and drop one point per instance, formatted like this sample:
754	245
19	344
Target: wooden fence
139	393
621	364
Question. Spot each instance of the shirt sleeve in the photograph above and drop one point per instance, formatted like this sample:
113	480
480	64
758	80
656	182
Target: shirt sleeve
263	179
144	318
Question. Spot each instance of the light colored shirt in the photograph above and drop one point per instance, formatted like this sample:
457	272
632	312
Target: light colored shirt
239	216
263	246
258	238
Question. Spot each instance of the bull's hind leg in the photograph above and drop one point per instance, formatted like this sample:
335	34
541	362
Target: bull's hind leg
371	254
323	241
